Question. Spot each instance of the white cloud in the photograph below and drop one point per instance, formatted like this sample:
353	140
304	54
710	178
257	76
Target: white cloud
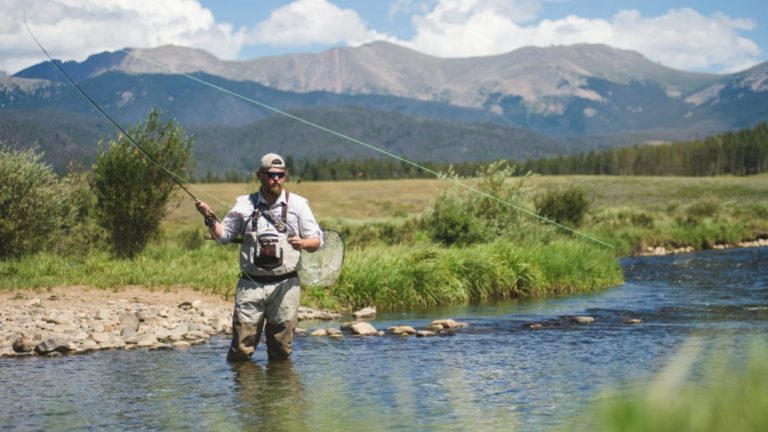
681	38
309	22
74	29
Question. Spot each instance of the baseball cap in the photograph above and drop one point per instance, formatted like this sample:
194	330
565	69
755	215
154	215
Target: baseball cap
272	160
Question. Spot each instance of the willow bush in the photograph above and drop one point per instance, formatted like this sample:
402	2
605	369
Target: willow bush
567	206
461	216
132	191
41	211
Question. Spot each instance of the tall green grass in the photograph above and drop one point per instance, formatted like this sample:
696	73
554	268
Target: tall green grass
209	268
391	277
732	395
420	276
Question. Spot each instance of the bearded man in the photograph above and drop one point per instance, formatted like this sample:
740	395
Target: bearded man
275	226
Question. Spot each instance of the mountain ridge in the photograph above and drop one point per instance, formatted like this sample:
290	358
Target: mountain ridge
588	96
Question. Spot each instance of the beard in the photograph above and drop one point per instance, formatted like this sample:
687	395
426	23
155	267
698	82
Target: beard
274	189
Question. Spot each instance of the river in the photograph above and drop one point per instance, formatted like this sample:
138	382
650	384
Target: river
497	374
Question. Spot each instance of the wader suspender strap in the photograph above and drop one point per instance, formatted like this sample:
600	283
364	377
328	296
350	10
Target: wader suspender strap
262	210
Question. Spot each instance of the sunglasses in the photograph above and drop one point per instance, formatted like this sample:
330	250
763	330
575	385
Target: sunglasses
274	175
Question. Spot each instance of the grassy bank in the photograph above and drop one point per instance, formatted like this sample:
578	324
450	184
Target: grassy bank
394	278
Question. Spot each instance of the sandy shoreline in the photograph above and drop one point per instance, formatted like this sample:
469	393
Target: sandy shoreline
73	296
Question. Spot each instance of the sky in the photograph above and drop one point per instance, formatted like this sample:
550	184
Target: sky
703	35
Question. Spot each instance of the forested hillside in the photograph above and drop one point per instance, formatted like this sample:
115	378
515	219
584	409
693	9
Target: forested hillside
736	153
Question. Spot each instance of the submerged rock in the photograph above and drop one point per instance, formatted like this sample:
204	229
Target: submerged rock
402	330
583	319
365	313
363	329
446	324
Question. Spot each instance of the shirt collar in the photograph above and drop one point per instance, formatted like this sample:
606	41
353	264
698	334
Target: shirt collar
280	200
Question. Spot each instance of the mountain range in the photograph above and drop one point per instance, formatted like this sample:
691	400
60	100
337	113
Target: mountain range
531	102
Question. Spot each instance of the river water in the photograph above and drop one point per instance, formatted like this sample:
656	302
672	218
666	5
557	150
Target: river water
496	374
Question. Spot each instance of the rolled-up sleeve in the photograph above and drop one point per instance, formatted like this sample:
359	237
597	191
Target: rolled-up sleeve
233	221
308	226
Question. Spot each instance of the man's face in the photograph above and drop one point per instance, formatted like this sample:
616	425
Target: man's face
272	180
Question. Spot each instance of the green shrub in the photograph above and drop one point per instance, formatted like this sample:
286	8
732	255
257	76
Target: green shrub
29	200
566	206
461	216
390	232
133	192
451	221
78	232
706	207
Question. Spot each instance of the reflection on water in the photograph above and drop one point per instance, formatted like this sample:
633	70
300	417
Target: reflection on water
498	374
269	397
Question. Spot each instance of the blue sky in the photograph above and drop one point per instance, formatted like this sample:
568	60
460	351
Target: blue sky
706	36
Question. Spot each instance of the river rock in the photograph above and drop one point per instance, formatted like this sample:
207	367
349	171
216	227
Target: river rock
633	321
181	344
365	313
445	324
195	334
58	318
583	319
57	344
23	344
147	340
333	331
89	345
100	338
363	329
178	332
319	332
402	330
129	320
425	333
325	315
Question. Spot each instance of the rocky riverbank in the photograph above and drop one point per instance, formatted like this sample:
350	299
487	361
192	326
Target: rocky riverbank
661	250
76	320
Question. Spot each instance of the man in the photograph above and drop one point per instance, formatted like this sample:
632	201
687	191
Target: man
275	226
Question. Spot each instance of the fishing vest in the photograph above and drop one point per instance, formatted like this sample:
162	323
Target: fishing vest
265	250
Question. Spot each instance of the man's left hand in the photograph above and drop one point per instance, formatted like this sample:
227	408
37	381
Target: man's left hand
297	242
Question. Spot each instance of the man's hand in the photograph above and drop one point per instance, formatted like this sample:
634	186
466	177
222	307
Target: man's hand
311	244
203	208
297	242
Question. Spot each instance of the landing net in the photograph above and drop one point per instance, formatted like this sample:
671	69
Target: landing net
323	266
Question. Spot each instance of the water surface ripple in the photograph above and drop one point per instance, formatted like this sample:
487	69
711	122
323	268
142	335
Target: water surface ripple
498	373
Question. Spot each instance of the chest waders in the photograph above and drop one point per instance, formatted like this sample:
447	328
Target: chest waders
268	292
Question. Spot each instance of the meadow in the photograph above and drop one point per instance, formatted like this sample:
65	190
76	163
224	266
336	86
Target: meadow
393	264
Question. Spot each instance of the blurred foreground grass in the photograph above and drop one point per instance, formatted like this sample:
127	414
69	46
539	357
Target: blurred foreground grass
730	395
